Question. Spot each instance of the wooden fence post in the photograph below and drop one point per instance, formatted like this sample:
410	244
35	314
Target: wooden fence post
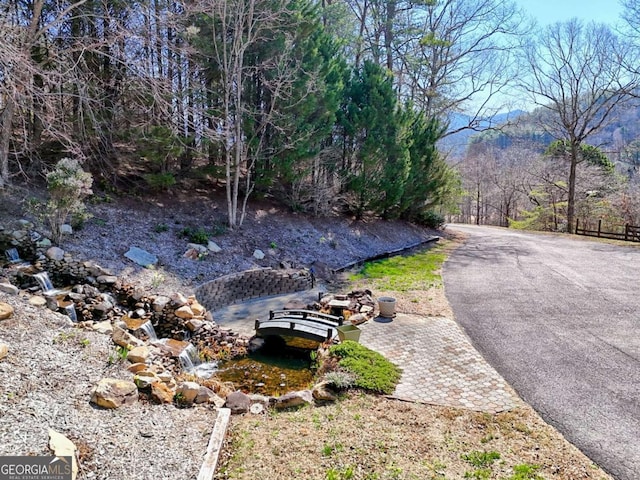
577	220
626	232
599	226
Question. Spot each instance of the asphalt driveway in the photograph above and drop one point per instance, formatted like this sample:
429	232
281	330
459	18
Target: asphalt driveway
559	319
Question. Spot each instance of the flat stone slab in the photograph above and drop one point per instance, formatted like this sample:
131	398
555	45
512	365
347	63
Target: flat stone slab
439	364
141	257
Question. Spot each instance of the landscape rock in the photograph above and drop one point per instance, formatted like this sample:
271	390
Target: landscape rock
4	350
107	279
113	393
37	301
238	402
55	253
144	378
159	303
125	339
257	409
43	243
66	229
63	447
198	247
103	327
184	312
161	392
258	254
139	354
322	393
294	399
194	325
197	309
141	257
187	392
6	311
213	247
137	367
9	288
206	395
179	299
19	234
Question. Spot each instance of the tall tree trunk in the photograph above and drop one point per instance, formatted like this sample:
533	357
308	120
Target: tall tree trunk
571	203
6	122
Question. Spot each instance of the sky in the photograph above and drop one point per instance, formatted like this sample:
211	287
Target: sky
551	11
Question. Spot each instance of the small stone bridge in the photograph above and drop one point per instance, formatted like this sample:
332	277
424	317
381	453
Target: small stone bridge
307	324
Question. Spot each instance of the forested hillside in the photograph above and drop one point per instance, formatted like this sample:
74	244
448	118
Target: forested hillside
324	106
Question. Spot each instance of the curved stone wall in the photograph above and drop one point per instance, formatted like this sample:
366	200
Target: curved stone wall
249	284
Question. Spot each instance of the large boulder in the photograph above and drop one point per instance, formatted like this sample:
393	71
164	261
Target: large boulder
141	257
113	393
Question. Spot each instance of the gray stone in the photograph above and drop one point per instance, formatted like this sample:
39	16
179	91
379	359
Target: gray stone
258	254
19	234
66	229
55	253
159	303
257	409
107	279
43	243
238	402
213	247
25	223
294	399
141	257
197	247
206	395
8	288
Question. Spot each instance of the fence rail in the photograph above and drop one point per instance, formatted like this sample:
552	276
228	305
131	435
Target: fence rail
631	233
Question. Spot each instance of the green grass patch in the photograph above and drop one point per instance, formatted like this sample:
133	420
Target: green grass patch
403	273
372	371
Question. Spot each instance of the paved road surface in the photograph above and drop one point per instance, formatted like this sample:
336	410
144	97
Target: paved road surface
559	318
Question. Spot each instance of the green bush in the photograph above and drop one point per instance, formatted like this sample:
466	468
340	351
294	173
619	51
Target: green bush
200	236
430	219
160	181
372	371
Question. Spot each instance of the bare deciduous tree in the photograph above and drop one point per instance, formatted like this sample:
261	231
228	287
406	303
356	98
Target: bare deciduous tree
577	74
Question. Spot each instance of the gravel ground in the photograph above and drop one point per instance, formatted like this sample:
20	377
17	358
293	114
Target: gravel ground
298	240
46	380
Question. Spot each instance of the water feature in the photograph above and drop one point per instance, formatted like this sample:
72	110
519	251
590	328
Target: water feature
44	282
150	332
189	358
281	366
12	255
70	311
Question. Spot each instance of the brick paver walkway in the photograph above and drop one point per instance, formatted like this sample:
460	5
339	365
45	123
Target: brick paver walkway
440	366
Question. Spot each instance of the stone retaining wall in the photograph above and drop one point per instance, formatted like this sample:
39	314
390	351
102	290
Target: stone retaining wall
250	284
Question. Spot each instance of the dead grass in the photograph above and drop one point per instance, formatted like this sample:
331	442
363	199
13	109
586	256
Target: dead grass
366	437
369	437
